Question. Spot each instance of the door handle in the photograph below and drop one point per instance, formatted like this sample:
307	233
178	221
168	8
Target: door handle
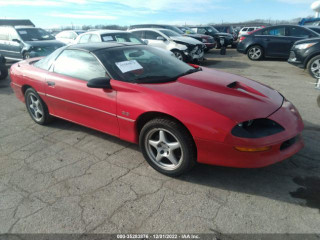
51	83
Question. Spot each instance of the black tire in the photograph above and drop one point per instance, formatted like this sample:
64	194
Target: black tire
179	55
26	55
38	105
313	67
255	53
175	133
318	101
3	71
218	45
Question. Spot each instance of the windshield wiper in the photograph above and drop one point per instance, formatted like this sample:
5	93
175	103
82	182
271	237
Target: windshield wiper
193	70
154	79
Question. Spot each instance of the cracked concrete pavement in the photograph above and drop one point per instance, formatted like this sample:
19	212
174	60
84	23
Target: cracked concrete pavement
64	178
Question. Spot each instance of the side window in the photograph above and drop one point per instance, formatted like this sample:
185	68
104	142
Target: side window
279	31
202	30
13	34
78	64
152	35
95	38
139	34
250	29
84	38
4	34
299	32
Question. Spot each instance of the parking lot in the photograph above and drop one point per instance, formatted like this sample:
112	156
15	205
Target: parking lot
64	178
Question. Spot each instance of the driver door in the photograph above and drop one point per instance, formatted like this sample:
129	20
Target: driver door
69	97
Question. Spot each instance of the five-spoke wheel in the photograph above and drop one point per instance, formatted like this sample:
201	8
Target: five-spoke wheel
36	107
167	146
314	67
255	53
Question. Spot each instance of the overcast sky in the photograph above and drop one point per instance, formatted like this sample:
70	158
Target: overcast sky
54	13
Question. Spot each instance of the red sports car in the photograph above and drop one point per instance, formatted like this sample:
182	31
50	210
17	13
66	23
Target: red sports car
180	114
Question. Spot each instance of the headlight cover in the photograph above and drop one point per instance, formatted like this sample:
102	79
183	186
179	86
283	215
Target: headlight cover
257	128
304	45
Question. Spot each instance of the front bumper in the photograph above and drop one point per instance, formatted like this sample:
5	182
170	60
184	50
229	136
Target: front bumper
283	145
296	59
241	47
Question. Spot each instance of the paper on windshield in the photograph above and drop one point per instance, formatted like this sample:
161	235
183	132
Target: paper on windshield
107	38
128	66
22	32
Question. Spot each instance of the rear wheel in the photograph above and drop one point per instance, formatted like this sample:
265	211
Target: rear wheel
314	67
36	107
255	53
180	55
167	146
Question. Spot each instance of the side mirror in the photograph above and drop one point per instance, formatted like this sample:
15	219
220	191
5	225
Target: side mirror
103	82
16	40
160	38
146	41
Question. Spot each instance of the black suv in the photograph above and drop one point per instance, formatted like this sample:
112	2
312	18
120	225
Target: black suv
227	29
21	40
306	55
218	36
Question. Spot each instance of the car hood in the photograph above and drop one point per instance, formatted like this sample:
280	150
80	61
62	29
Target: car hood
188	40
235	97
45	43
308	40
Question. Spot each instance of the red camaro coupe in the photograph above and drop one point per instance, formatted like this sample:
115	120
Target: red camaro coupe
180	114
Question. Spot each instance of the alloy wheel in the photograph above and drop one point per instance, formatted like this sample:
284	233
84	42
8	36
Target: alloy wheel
315	68
164	149
35	107
179	56
255	53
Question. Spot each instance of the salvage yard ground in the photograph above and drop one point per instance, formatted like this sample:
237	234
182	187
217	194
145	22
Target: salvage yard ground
64	178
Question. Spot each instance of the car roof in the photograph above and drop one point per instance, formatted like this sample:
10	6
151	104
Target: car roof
149	29
107	31
92	47
149	24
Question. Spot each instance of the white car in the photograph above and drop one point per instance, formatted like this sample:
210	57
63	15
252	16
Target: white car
69	37
184	48
111	36
246	30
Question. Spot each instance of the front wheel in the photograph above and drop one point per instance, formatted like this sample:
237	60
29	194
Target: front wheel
179	55
36	107
26	55
255	53
167	146
314	67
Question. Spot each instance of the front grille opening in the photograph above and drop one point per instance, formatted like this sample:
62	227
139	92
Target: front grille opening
289	143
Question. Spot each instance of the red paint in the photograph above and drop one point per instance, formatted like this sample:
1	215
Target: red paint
202	101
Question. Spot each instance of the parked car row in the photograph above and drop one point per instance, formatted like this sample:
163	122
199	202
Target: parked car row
300	45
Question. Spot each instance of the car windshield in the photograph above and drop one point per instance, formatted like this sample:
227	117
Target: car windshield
34	34
188	30
143	64
212	30
170	33
121	37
